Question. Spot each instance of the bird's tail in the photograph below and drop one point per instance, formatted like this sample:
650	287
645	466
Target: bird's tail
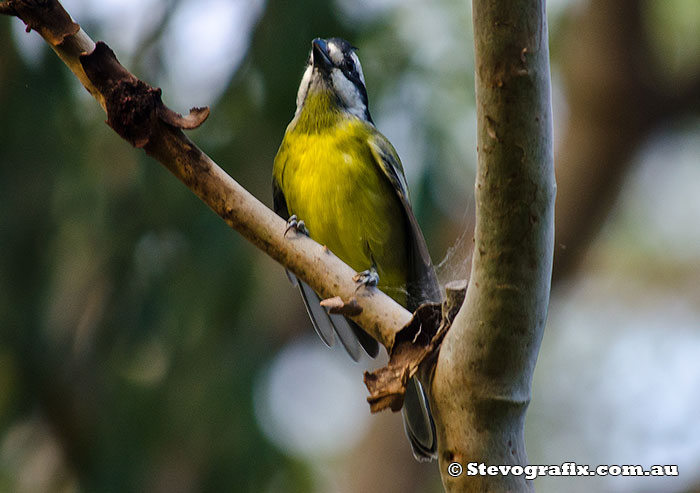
418	422
330	326
417	418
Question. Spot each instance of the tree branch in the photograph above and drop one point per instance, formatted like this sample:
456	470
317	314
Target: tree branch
481	385
135	111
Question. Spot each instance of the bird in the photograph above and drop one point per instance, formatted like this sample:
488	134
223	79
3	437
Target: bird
339	180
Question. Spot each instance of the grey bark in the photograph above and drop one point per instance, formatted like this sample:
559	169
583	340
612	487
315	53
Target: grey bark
481	385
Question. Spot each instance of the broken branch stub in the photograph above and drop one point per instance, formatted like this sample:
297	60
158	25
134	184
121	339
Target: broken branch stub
416	344
336	305
134	108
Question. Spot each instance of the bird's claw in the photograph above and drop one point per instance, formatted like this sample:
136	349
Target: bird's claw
296	224
368	277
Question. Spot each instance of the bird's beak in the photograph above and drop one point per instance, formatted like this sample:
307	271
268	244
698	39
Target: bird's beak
321	60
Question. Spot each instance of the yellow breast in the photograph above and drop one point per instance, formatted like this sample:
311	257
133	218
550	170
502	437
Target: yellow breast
331	181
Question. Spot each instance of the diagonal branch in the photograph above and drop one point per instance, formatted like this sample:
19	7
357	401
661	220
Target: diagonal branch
481	384
135	112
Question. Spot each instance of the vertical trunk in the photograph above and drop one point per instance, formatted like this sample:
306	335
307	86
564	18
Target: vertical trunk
481	386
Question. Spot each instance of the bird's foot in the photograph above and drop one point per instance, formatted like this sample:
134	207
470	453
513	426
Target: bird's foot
368	277
296	224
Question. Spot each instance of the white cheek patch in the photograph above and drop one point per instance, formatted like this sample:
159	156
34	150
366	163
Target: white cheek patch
358	67
348	93
304	86
334	53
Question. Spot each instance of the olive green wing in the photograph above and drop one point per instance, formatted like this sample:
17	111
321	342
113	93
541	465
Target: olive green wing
422	283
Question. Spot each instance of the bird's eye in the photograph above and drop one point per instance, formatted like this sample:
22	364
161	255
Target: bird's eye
349	64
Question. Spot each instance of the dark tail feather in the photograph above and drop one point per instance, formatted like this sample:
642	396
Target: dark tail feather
346	335
418	422
328	326
317	314
368	343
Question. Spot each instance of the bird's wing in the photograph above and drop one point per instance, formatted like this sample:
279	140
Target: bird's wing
423	284
327	325
279	203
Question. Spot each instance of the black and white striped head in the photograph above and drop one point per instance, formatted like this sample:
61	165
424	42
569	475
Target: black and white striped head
334	65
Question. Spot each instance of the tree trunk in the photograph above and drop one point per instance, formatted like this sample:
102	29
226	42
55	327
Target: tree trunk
481	385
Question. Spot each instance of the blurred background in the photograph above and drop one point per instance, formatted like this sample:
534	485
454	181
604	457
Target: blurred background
144	346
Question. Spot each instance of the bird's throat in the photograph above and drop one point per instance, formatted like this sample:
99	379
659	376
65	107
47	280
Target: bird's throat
320	111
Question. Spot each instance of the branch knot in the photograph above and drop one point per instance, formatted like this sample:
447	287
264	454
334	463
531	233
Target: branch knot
134	108
415	348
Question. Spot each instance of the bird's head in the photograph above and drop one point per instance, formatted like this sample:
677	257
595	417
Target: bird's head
333	69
